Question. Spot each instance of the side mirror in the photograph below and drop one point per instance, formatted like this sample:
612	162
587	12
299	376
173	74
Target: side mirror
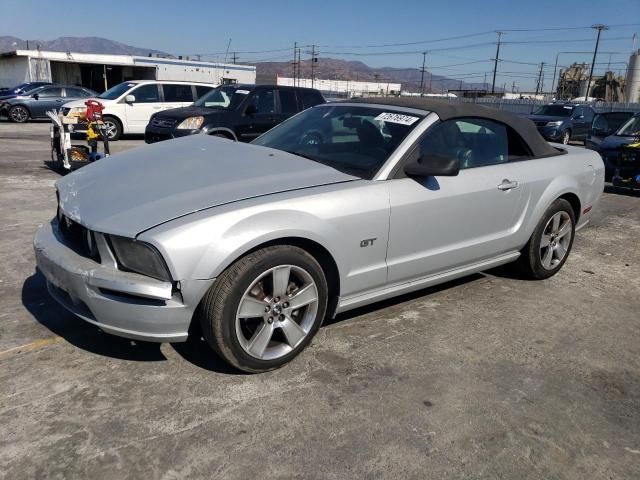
433	166
130	99
35	96
251	110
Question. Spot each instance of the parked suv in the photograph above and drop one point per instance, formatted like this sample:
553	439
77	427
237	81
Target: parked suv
236	112
35	103
128	106
563	122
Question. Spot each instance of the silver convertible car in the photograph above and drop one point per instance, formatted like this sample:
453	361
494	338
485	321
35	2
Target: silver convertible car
345	204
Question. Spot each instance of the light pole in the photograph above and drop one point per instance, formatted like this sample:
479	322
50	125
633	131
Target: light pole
600	28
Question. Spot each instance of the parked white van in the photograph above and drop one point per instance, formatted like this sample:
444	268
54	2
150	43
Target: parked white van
129	105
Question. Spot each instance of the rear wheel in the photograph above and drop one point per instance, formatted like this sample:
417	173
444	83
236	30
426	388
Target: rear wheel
551	241
19	114
265	308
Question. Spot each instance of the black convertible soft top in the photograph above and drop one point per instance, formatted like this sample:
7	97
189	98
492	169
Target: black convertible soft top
448	109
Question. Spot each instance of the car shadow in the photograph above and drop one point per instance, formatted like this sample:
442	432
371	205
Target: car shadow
79	333
195	350
90	338
608	188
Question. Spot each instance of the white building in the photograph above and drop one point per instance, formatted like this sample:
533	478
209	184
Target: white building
346	88
100	71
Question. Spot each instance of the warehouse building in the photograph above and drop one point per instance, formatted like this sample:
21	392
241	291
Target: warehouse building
344	88
101	71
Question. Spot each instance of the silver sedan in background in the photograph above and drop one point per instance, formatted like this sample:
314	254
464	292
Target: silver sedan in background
340	206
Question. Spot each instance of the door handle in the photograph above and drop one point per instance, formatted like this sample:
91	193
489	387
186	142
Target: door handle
507	185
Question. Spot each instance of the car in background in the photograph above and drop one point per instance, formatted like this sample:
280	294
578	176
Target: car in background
563	122
128	106
35	103
605	124
340	206
611	147
236	112
23	88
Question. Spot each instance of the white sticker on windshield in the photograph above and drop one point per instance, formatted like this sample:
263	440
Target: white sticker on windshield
244	92
397	118
568	108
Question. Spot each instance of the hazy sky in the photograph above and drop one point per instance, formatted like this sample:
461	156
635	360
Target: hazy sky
344	29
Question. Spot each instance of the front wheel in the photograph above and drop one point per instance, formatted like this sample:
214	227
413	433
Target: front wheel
113	127
265	308
19	114
551	241
566	137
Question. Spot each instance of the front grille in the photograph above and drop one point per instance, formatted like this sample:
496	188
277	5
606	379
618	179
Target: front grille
163	122
79	238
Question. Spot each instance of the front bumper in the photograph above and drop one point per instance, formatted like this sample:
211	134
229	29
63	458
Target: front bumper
551	133
122	303
158	134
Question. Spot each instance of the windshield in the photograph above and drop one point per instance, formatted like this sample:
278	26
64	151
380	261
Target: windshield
554	111
226	98
610	122
353	139
117	91
631	128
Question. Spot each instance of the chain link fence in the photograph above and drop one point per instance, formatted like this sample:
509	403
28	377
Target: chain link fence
527	106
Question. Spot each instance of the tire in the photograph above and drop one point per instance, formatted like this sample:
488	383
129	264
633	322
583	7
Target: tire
114	128
251	324
19	114
566	137
539	261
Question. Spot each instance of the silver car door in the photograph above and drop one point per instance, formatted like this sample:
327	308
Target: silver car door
441	223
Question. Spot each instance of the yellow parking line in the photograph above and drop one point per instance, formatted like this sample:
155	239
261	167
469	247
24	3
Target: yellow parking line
28	347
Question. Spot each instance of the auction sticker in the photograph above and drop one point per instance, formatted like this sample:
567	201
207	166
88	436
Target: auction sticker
397	118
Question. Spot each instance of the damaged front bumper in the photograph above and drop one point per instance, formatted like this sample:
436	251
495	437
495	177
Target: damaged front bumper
122	303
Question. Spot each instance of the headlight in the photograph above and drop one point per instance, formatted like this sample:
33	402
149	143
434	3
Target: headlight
191	123
139	257
554	124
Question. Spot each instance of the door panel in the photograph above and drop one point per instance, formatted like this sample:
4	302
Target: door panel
48	99
138	113
441	223
266	116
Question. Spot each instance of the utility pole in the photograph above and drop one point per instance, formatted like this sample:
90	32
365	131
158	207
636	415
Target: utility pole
495	64
314	60
234	58
484	82
555	68
538	83
513	87
294	63
600	28
424	59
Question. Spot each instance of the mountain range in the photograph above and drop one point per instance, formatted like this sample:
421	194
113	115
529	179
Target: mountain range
328	68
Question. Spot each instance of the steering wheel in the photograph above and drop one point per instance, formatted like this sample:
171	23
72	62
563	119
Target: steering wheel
311	138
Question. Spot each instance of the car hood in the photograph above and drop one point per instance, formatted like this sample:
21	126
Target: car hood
614	142
128	193
546	118
81	103
191	111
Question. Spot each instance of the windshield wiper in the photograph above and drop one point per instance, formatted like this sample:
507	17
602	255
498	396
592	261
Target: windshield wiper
292	152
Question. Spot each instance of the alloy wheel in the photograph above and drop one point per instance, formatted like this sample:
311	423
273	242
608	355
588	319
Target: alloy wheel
19	114
111	129
566	136
277	312
556	239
